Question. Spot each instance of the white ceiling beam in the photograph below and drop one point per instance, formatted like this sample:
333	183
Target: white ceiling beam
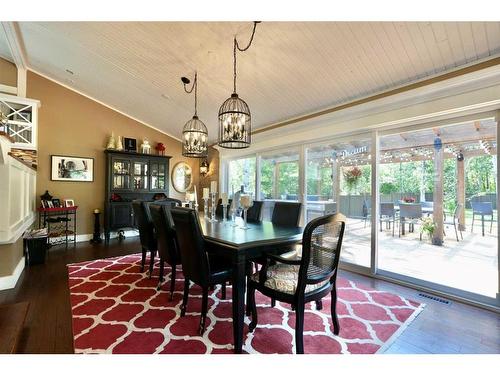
17	51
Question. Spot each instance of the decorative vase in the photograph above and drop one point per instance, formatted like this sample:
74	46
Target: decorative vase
111	142
119	144
145	147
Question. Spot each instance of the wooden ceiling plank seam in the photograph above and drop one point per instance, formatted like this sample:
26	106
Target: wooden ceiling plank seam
432	67
465	32
420	64
432	46
389	68
457	46
396	46
367	44
395	38
443	43
338	63
480	39
367	76
493	36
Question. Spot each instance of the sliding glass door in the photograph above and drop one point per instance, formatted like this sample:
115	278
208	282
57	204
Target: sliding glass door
438	208
338	179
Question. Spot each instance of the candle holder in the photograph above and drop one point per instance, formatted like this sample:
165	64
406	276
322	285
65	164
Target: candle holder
233	218
213	196
245	226
205	208
224	213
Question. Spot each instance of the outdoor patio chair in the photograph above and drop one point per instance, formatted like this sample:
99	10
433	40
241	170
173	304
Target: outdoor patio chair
455	220
483	209
427	207
410	213
387	215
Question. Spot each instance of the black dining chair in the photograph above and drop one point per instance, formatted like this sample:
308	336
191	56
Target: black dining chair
198	266
168	248
146	232
219	209
286	214
254	213
387	215
307	278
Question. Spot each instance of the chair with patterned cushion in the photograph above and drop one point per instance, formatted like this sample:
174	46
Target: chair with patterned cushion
168	248
198	266
146	232
303	279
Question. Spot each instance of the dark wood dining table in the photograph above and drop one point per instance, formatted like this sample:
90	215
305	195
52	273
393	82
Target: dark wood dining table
240	246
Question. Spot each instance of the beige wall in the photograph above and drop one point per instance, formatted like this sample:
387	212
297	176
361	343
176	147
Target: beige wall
71	124
8	73
10	255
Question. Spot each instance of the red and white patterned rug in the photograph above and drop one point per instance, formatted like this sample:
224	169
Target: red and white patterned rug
117	309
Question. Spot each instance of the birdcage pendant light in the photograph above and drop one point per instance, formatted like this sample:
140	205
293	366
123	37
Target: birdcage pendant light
194	133
235	125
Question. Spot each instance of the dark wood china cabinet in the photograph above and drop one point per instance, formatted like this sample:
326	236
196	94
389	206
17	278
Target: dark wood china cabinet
129	176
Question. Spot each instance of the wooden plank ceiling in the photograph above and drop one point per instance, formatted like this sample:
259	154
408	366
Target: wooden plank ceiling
293	68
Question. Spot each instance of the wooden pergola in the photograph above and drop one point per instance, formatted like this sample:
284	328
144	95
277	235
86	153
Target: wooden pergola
460	142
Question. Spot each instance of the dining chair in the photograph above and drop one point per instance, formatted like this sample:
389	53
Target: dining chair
304	279
168	248
219	209
455	220
482	209
146	232
198	266
254	213
409	213
286	214
387	215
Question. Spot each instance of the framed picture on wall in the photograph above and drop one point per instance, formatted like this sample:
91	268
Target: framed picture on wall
71	168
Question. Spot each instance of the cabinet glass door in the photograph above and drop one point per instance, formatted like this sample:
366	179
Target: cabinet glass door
121	174
140	175
158	176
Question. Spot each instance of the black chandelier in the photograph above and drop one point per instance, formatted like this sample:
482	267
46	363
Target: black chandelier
235	125
194	133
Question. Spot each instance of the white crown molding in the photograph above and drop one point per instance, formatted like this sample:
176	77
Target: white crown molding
102	103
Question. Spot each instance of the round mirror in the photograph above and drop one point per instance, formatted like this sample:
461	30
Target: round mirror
182	177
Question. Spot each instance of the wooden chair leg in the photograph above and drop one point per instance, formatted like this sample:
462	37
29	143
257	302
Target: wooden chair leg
491	223
172	281
162	270
151	263
185	297
253	309
223	291
472	225
204	308
456	233
335	319
319	304
299	328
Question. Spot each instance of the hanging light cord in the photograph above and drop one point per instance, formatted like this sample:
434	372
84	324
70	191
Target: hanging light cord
237	46
195	88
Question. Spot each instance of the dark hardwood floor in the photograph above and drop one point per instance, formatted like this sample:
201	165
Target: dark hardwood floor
440	328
